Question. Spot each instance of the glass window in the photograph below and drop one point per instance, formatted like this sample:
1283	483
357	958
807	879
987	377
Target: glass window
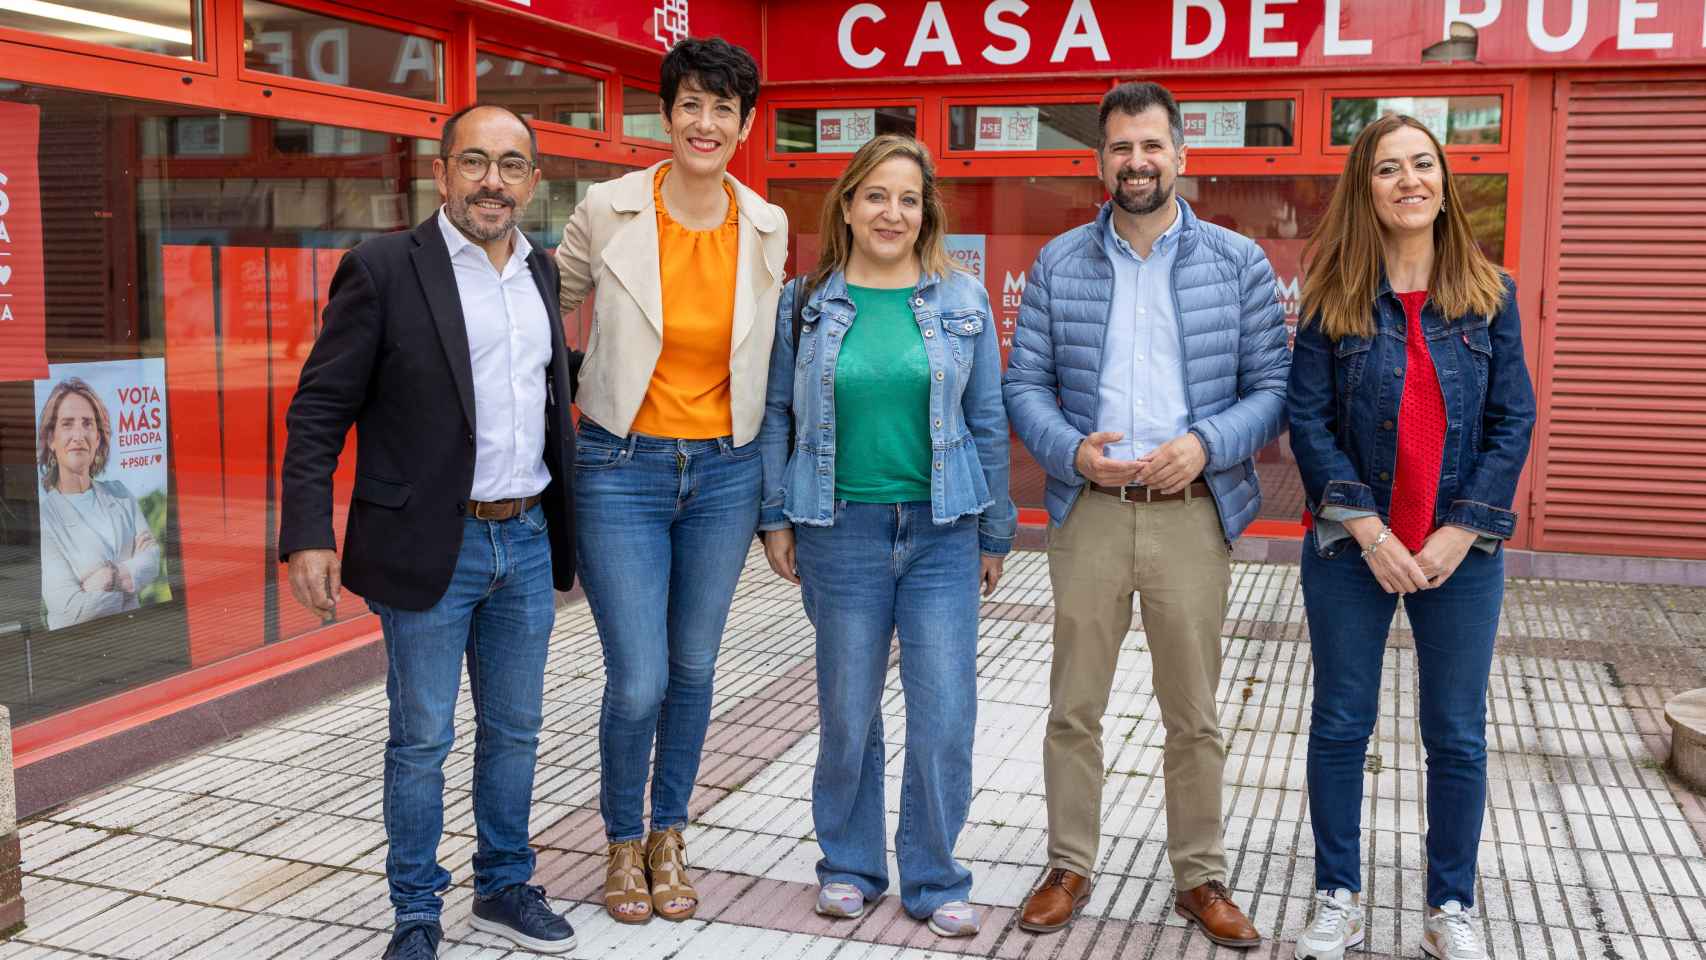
838	129
541	93
300	43
1454	120
1048	126
170	28
1215	124
641	117
175	262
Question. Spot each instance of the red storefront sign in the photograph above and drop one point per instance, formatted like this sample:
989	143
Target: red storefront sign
653	23
816	40
23	301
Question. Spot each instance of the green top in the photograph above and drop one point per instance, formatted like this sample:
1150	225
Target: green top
882	402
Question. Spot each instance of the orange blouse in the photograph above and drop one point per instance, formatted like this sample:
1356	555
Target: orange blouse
688	398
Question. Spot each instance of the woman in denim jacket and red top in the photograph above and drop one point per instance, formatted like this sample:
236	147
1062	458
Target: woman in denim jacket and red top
896	485
1411	409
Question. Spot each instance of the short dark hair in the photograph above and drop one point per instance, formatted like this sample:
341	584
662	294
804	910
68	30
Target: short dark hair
718	66
1134	98
448	136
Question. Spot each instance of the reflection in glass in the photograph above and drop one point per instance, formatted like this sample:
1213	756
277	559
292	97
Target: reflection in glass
838	129
300	43
203	271
641	116
541	93
170	28
1454	120
1048	126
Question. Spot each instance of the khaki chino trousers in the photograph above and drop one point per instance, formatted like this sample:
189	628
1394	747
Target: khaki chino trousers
1173	555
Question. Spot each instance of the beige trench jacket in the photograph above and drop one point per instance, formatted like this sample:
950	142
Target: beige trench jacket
611	244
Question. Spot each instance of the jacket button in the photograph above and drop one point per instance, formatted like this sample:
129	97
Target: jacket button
1386	425
929	333
1397	371
918	301
470	439
461	509
938	374
938	421
1384	476
938	464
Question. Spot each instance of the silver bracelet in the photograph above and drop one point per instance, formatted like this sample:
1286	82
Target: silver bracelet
1371	548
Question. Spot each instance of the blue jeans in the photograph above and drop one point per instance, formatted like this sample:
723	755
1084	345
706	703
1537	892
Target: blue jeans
662	529
1454	623
879	567
496	615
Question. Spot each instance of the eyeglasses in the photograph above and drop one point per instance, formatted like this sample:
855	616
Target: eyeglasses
473	166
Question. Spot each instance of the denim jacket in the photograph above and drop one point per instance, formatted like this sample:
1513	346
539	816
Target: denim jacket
1343	402
968	424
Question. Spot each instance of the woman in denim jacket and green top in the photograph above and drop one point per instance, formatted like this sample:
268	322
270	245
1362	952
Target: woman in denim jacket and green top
1411	409
896	489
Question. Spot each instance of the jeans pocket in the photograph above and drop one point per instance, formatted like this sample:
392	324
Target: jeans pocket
747	451
533	518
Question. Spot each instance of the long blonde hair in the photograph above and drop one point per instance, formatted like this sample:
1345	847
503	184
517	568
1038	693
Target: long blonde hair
1344	257
837	237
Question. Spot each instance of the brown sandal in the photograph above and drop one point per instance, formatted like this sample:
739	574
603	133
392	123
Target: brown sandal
666	858
625	884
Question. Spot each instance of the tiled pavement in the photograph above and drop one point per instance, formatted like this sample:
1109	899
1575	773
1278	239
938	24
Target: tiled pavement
270	846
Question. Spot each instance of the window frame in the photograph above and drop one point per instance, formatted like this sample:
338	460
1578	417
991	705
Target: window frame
1504	92
349	14
605	79
205	10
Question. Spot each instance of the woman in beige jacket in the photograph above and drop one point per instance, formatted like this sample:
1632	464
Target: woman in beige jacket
687	266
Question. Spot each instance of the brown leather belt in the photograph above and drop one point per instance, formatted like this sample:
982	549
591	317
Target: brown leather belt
501	509
1137	493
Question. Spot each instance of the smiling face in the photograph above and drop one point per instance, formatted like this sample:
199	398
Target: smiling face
76	434
1139	163
1407	182
886	211
704	129
486	209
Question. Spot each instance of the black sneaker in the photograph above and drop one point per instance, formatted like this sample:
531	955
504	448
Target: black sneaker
415	941
520	914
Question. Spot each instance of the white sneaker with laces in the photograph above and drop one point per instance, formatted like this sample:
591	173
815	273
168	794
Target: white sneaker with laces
1452	933
1336	927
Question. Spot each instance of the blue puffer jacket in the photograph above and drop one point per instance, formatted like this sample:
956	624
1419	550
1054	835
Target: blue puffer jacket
1232	330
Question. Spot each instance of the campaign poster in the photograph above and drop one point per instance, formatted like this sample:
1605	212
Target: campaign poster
1213	123
1286	256
1006	128
101	473
845	130
967	250
23	296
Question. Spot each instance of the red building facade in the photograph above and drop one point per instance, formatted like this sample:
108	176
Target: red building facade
182	175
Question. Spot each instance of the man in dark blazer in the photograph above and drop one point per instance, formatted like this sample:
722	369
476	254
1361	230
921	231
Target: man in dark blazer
443	346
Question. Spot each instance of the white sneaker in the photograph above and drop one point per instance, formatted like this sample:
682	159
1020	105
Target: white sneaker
1336	927
1452	933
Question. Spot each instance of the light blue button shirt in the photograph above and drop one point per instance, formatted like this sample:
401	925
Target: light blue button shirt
1142	391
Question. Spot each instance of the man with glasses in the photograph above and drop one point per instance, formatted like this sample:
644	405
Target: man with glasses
443	346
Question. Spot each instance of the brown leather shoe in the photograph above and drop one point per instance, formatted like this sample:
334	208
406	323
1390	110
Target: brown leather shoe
1055	901
1210	907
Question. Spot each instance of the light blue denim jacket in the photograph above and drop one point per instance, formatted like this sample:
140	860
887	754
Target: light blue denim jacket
968	424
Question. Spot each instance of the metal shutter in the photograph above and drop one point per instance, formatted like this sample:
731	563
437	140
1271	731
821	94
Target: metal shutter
1622	448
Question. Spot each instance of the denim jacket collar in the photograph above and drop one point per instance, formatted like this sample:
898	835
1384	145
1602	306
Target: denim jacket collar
834	290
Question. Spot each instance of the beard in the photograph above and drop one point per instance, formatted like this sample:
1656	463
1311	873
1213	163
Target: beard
462	214
1139	205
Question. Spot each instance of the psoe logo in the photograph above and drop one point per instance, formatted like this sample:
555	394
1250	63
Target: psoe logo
669	22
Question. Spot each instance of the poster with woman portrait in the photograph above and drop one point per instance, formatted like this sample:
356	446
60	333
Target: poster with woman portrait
101	478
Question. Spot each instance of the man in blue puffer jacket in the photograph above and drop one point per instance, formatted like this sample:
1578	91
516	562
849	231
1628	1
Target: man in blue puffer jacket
1148	369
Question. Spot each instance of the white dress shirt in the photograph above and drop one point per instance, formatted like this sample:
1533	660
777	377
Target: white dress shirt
1143	375
509	344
